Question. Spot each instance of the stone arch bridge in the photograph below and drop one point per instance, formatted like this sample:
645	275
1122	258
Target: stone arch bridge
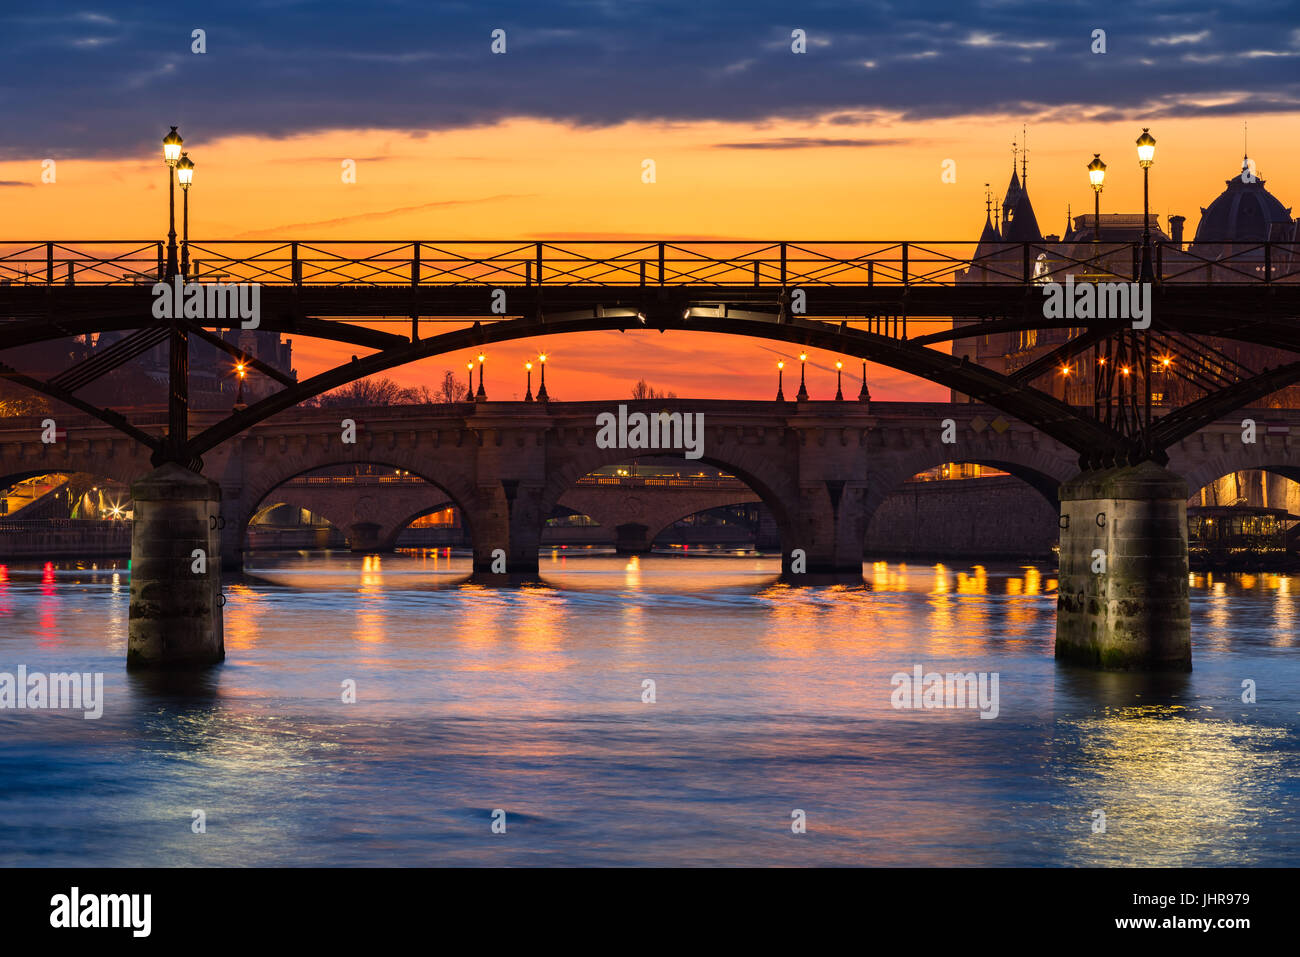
821	467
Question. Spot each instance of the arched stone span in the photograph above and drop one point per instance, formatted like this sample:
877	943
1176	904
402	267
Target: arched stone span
370	514
1206	458
373	531
118	459
773	486
901	451
638	514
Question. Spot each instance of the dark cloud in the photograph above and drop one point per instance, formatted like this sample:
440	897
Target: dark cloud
807	142
14	182
108	82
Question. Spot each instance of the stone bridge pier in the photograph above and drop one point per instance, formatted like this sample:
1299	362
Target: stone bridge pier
1122	601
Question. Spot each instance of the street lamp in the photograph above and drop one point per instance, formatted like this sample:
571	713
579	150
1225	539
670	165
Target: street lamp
1097	177
780	380
839	392
529	396
864	395
803	388
541	393
185	174
480	394
1146	145
171	156
241	371
469	393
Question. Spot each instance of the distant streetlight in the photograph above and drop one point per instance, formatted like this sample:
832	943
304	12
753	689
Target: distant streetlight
469	393
480	395
839	393
803	388
171	156
864	394
185	174
780	380
529	396
1097	177
241	371
541	392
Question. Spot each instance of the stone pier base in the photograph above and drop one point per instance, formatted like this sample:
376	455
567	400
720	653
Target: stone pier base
632	539
175	618
1123	596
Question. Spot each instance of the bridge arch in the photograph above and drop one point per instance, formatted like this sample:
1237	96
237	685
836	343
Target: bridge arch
1043	465
770	479
1201	467
371	530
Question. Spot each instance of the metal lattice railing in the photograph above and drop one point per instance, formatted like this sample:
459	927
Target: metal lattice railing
613	263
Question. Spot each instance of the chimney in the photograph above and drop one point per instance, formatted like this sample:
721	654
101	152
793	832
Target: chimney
1176	228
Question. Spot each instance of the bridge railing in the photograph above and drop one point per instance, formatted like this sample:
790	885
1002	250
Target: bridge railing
651	481
615	263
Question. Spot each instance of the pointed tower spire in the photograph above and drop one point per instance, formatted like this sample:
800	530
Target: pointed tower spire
1068	220
1013	189
990	233
1024	158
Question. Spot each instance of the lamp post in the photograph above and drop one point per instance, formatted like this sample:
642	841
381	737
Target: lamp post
780	380
864	395
469	393
541	392
1146	146
171	156
529	396
803	388
480	396
239	397
839	392
185	174
1097	177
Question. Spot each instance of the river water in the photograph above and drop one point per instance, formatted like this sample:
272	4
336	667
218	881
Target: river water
768	700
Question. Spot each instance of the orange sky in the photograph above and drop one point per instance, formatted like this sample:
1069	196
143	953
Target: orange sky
531	179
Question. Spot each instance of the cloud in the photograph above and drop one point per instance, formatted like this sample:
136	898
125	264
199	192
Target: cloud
1179	39
14	182
279	69
807	142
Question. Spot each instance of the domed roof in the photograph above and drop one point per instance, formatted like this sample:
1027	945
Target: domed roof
1244	212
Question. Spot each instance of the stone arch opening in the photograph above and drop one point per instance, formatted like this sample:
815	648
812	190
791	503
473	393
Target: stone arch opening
280	523
971	507
369	500
36	494
1246	519
448	528
637	497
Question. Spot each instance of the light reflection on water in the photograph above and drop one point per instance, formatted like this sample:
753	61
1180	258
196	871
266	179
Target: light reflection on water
770	697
